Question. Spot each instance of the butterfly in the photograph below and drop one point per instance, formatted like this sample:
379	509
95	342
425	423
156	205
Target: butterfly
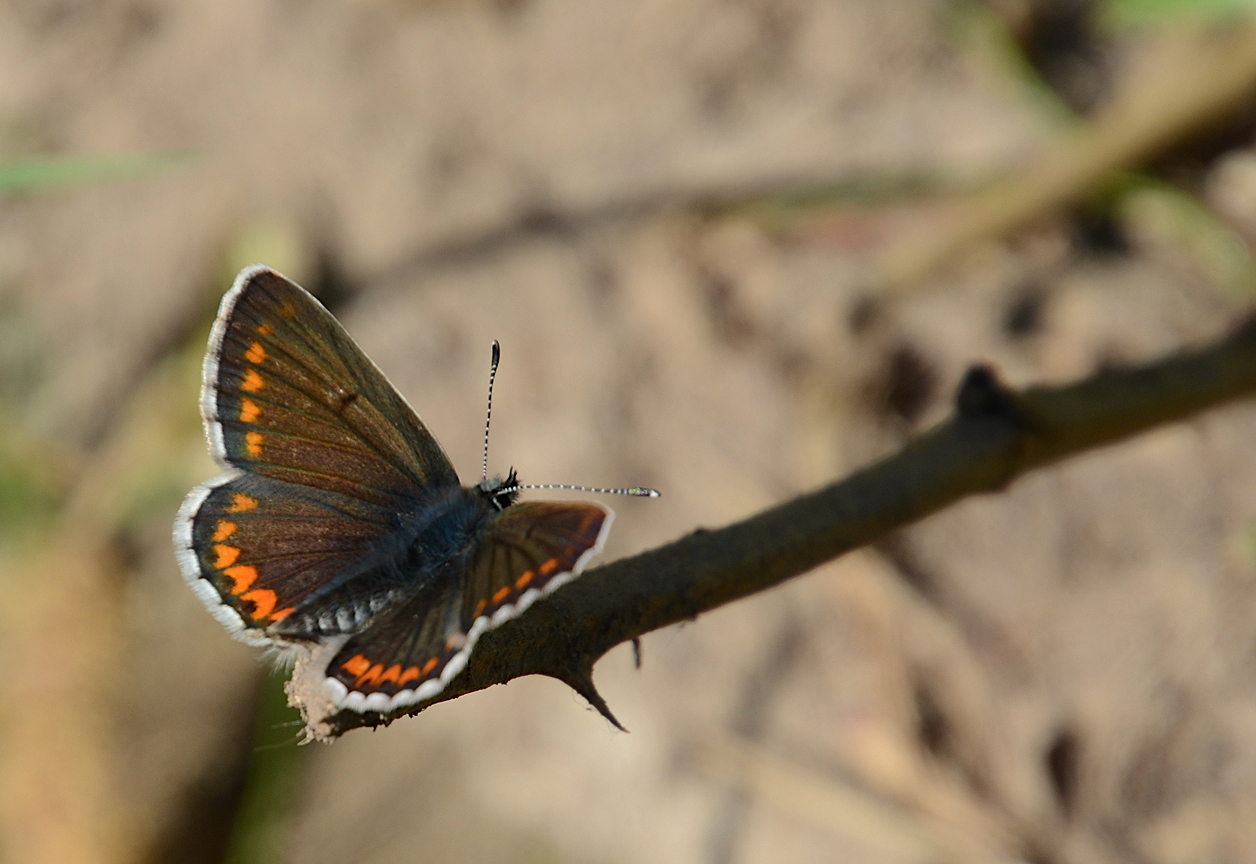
339	524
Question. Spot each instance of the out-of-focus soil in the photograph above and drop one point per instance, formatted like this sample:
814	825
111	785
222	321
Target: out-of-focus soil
1059	673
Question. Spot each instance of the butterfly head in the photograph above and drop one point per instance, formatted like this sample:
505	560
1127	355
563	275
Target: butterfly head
501	492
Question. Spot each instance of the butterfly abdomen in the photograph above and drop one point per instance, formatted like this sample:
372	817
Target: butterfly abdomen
345	611
423	556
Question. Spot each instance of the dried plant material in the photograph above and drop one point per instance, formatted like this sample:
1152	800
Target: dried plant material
1196	77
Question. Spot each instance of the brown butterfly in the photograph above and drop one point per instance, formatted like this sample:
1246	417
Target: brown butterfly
340	524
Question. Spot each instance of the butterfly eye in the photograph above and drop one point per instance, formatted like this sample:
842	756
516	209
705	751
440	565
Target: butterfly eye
504	498
507	492
501	493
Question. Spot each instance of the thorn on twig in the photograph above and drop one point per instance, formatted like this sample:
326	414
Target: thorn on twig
981	394
581	680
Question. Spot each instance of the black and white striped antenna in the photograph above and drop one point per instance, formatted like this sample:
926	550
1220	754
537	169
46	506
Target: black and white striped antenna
633	491
488	418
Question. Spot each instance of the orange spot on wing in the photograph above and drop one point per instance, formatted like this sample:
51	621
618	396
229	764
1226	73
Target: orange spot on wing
502	594
227	556
241	577
225	529
372	676
548	567
288	310
249	411
252	381
479	607
356	665
263	601
522	581
253	443
408	675
264	329
393	673
256	353
282	613
429	665
241	503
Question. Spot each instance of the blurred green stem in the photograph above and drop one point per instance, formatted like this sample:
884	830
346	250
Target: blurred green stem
259	834
49	171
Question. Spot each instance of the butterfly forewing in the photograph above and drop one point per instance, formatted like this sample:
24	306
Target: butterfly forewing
290	395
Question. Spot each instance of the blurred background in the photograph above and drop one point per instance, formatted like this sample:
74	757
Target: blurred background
733	249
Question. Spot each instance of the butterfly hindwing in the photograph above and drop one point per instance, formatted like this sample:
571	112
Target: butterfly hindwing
402	657
289	394
527	551
410	652
255	549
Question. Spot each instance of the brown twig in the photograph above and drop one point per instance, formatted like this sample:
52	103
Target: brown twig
995	436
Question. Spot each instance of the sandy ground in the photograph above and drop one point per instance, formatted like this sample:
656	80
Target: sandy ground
1060	673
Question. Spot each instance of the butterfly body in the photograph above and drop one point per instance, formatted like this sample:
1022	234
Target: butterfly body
427	548
339	528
